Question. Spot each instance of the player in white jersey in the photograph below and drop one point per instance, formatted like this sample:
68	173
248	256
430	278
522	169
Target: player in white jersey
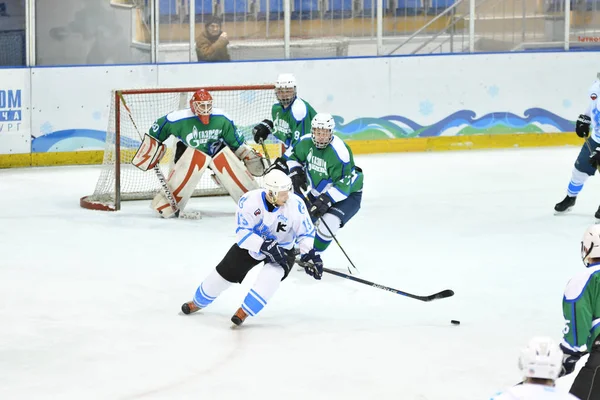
541	364
588	159
270	223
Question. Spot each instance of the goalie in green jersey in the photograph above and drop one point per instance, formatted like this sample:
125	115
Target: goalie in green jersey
581	310
325	162
208	138
291	115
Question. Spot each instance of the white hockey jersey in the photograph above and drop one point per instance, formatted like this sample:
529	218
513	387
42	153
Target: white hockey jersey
529	391
593	111
288	225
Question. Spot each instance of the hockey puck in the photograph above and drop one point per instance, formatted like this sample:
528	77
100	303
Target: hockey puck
455	322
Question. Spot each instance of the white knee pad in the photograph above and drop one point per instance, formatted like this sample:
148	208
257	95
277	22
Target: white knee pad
334	224
578	177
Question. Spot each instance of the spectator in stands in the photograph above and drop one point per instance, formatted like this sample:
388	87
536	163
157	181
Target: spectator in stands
211	45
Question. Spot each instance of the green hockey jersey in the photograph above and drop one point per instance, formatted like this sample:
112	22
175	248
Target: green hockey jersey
581	310
290	124
330	170
186	126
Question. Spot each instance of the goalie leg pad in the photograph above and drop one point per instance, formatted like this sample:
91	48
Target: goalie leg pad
254	161
149	154
182	181
232	174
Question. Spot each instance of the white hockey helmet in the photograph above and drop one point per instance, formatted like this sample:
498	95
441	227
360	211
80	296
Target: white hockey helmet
274	182
590	244
285	89
322	127
541	359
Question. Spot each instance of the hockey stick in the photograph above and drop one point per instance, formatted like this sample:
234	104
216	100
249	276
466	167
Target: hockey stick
159	174
436	296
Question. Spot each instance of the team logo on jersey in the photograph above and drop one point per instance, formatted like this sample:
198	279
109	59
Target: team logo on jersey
197	138
281	217
257	212
316	164
281	125
280	227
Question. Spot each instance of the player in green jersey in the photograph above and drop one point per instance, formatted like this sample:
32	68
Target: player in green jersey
208	138
581	310
291	115
325	161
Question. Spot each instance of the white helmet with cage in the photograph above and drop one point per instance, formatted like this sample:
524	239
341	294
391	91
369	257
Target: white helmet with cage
590	244
322	127
275	182
541	359
285	89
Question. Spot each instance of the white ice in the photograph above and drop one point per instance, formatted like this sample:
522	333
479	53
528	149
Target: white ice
90	300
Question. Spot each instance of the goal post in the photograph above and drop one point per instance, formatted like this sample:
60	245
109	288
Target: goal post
119	180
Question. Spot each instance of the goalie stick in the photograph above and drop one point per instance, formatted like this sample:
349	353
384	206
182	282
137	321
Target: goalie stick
159	174
436	296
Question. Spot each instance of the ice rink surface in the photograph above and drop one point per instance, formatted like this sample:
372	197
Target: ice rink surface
90	300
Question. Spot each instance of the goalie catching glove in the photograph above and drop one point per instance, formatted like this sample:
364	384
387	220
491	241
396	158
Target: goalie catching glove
149	154
582	126
253	160
262	130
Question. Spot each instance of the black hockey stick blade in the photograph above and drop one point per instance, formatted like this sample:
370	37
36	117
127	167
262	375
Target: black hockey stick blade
437	296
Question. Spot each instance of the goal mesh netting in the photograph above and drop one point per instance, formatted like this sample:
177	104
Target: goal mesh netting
120	181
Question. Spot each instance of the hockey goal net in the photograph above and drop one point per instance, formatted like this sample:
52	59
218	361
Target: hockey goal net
120	181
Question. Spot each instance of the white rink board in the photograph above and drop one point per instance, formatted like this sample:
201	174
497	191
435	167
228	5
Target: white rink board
426	90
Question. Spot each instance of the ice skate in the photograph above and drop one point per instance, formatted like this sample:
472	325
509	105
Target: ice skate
189	307
597	215
239	317
566	205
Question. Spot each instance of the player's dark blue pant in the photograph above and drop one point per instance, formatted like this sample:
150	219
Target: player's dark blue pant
336	217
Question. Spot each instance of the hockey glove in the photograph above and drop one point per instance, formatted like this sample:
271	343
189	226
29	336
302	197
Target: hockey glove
274	253
315	264
320	206
279	164
570	358
298	177
595	157
262	130
582	126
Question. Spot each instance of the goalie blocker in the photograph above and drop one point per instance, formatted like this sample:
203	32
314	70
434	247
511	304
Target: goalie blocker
233	174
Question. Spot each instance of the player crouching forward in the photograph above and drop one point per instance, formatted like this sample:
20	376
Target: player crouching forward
208	138
335	182
541	364
270	222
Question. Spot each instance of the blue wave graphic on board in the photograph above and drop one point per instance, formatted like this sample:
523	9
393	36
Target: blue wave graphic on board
396	126
75	139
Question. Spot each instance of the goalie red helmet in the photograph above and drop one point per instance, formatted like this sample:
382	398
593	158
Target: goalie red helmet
322	130
278	186
285	89
201	105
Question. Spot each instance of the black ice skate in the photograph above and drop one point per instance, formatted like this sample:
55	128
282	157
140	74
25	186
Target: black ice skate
597	215
189	307
565	205
239	316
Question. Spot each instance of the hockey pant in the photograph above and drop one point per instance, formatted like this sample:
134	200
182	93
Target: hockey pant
586	385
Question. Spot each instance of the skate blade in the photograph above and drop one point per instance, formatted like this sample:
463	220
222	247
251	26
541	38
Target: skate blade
568	210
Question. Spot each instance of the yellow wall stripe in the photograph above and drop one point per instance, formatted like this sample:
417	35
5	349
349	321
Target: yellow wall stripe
471	142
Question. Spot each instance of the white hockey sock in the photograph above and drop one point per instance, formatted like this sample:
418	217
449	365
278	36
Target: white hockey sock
210	289
323	235
578	178
267	283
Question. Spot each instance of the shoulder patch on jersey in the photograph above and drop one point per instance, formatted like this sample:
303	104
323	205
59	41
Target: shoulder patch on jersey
221	112
179	115
299	109
578	283
340	149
